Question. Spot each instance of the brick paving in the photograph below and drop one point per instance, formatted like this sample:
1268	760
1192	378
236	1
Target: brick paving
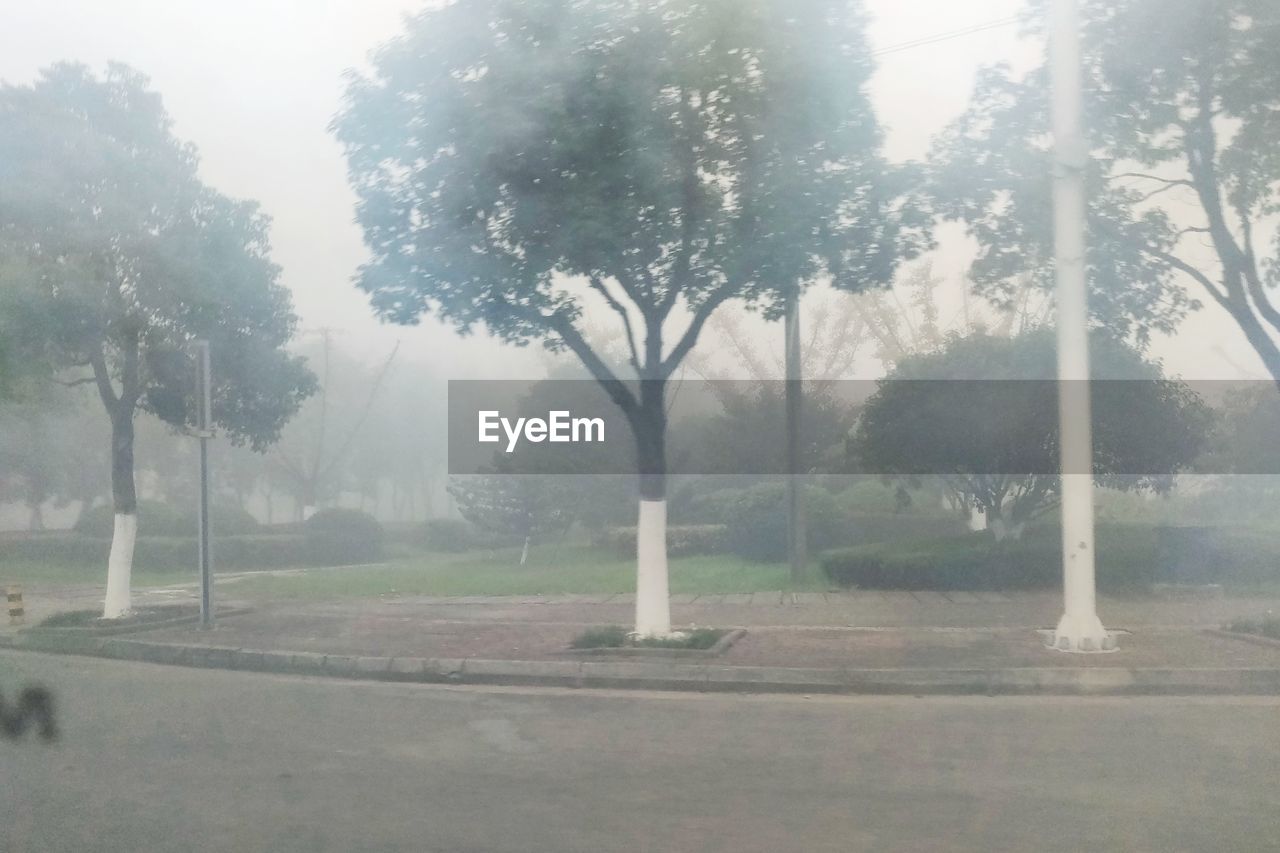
826	633
867	629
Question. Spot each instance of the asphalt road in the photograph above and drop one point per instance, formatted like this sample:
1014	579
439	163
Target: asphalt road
156	758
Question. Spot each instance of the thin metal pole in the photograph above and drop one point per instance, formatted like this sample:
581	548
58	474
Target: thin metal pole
797	537
1079	629
204	424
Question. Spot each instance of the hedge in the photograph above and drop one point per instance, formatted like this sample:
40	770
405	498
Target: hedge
454	535
158	518
169	553
335	536
755	520
1126	561
1129	556
683	540
1223	554
867	528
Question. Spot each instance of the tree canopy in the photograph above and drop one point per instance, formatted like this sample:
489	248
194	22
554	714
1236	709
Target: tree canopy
1182	109
667	155
117	257
981	413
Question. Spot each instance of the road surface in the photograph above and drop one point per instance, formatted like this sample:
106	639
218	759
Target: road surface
158	758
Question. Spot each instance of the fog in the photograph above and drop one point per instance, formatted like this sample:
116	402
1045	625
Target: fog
255	85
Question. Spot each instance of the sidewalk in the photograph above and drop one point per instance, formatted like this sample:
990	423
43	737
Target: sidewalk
877	642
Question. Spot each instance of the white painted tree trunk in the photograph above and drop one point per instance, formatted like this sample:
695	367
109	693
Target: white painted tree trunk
653	603
118	602
524	552
977	519
1003	529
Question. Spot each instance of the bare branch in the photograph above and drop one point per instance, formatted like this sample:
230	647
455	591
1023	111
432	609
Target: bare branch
598	286
364	414
690	337
1172	185
1181	265
1191	229
1148	177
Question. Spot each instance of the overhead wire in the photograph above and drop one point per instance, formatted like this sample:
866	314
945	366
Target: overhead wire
946	36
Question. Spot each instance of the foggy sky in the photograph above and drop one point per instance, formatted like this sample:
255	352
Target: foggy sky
254	83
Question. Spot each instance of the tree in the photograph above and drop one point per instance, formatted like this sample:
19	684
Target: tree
518	162
742	438
50	450
993	435
124	258
1246	441
1182	101
521	506
313	455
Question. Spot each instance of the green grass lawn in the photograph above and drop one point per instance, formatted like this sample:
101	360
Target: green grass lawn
551	569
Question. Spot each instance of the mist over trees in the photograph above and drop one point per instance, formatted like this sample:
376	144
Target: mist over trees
979	413
125	258
636	189
1181	102
666	158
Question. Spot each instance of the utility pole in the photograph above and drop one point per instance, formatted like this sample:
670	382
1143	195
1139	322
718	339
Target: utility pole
204	430
797	538
1079	629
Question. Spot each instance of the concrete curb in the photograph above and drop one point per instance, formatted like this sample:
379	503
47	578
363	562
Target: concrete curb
663	675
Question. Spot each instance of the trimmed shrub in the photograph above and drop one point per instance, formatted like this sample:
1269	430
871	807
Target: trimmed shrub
901	527
755	520
1126	561
61	549
159	553
451	535
336	536
683	540
160	518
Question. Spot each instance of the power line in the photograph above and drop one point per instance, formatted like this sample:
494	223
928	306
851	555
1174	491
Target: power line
947	36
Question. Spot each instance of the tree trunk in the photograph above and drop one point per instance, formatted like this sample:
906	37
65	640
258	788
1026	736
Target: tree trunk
1003	526
124	498
649	424
524	552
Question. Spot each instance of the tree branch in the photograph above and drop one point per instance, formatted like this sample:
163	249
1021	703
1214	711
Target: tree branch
103	377
598	286
690	337
596	366
1253	281
1177	263
1175	182
1171	185
364	416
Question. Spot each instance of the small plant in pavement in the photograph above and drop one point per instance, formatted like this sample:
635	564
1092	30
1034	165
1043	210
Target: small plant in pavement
616	637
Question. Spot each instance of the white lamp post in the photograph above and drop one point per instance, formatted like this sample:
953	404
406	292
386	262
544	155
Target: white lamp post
1079	629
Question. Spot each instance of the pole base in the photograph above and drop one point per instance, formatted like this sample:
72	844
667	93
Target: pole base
1084	635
